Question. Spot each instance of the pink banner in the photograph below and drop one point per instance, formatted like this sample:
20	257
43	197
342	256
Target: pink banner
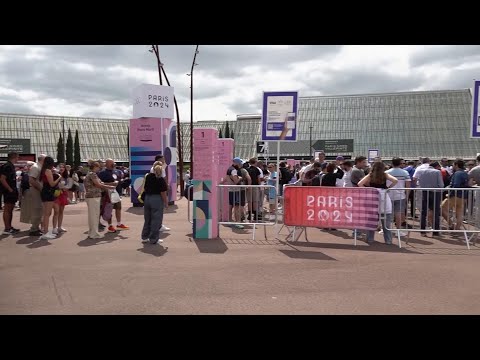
331	207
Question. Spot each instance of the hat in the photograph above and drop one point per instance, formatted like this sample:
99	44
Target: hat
324	165
339	158
238	161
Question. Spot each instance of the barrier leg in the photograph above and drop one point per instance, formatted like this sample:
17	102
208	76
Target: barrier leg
306	238
265	232
355	237
254	228
294	228
399	239
467	240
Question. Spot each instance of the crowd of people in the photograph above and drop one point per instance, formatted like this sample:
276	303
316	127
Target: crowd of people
45	188
248	204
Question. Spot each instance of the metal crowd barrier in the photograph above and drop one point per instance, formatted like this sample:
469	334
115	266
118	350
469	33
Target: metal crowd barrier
292	231
450	211
189	208
250	211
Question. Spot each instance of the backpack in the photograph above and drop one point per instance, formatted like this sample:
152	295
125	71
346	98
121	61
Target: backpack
25	184
286	175
245	176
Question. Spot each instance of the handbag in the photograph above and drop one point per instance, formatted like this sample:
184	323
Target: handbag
114	196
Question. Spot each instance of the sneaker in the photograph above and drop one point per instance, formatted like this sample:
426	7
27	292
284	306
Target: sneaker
381	231
403	233
61	229
15	230
164	228
47	236
111	229
96	237
35	233
8	232
122	227
159	241
145	240
55	231
239	227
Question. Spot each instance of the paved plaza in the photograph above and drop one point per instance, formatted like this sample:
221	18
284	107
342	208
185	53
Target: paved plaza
233	274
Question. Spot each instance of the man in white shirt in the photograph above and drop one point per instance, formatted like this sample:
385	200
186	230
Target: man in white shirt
399	196
347	168
306	169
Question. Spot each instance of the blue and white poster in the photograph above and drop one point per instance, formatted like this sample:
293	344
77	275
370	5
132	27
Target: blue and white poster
279	116
475	113
372	154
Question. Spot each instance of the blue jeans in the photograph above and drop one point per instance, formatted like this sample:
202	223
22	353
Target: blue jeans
153	215
387	234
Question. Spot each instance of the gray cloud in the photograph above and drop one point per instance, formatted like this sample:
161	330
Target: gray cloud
367	81
222	70
445	55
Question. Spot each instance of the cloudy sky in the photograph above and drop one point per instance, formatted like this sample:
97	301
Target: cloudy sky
229	80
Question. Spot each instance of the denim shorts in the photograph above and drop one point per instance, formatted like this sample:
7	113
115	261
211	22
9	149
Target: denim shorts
399	206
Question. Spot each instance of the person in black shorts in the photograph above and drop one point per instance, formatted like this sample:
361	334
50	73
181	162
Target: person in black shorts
8	187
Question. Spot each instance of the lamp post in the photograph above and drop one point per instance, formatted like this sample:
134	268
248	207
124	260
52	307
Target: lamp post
311	127
191	111
63	140
161	70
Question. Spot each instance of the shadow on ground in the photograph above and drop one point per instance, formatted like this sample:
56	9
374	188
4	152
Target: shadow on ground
38	243
135	210
376	246
308	255
108	238
210	246
155	250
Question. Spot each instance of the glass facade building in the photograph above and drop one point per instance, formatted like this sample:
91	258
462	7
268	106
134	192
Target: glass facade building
409	124
98	138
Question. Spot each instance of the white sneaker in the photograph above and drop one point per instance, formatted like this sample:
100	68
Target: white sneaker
61	229
145	240
158	242
381	231
55	231
48	236
164	228
403	233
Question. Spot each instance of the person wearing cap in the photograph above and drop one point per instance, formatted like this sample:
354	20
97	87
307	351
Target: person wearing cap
339	160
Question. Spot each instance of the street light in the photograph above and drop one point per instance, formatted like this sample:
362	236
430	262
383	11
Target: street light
191	111
311	127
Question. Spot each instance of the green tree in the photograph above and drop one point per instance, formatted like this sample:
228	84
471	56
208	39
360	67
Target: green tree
60	150
220	133
69	152
77	161
227	131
